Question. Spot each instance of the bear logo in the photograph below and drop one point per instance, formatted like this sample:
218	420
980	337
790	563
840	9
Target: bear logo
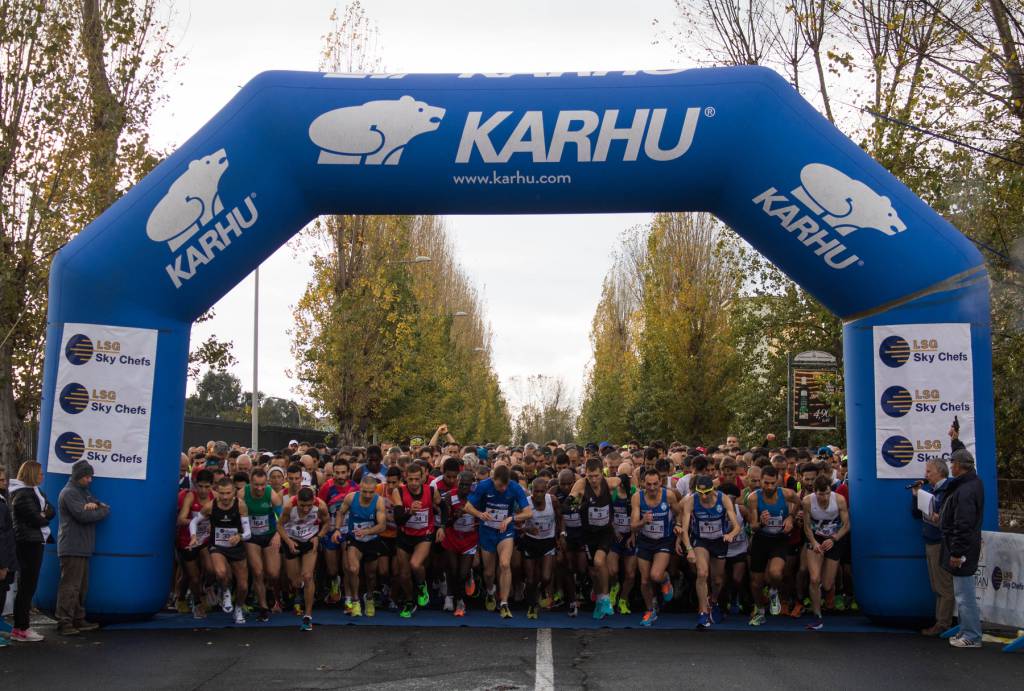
844	203
374	133
191	202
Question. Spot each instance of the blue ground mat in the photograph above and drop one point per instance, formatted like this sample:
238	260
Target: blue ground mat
483	619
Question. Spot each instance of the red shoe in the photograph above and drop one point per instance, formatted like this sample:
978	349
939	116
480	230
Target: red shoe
470	586
796	610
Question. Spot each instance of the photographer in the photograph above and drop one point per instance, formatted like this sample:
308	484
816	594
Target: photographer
936	482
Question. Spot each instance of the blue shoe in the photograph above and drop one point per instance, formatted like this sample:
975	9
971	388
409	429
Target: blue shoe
703	621
599	610
816	625
667	590
716	614
307	624
735	608
649	618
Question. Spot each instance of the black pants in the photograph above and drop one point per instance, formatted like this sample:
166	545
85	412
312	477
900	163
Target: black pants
30	560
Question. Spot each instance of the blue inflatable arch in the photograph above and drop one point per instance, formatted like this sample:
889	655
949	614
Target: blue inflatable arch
738	142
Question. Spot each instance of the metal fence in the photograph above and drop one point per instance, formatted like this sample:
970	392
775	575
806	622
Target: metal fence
199	430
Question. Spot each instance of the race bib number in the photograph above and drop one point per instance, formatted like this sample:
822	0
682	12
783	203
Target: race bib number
826	528
302	531
418	520
465	523
709	530
203	532
222	536
364	525
542	527
260	524
499	514
573	520
774	524
654	530
621	522
598	515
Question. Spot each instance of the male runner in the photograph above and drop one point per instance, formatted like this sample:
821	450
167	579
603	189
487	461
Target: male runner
190	505
414	505
366	518
707	512
537	545
460	544
302	526
593	493
570	549
229	522
496	503
264	547
826	525
623	554
771	510
654	512
332	493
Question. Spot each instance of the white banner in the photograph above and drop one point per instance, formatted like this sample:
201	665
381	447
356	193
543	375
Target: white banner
999	580
923	383
103	400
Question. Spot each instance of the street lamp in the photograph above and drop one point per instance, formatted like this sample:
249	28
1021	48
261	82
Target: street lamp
460	313
416	260
478	349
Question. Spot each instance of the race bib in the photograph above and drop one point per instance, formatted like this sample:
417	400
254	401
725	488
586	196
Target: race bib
774	524
364	525
621	522
302	531
222	536
465	523
418	520
499	514
826	528
709	530
598	515
260	524
203	532
654	530
573	520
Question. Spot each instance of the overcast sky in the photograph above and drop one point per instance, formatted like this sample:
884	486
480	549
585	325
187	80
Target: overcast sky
537	274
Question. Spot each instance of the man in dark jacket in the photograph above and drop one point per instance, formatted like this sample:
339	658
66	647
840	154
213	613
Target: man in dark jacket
960	522
76	541
937	475
8	553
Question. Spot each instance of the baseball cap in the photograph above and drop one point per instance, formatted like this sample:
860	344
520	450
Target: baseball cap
293	441
825	451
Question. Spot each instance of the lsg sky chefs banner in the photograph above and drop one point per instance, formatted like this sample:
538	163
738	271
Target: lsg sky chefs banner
104	397
923	382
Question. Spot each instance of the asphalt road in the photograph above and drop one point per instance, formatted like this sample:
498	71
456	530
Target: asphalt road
413	658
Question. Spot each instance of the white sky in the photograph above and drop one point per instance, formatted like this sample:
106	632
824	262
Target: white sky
540	275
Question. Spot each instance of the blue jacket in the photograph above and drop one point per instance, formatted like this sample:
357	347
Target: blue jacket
932	533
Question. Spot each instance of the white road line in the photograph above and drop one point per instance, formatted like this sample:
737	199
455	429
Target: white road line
544	680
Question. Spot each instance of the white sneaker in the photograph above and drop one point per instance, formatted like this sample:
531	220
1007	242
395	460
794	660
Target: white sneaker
239	616
225	601
959	641
449	603
25	636
775	606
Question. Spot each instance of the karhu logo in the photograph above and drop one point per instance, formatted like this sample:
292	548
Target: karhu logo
842	204
191	205
374	133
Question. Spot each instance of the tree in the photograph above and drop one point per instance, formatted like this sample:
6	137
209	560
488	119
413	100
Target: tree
546	411
218	395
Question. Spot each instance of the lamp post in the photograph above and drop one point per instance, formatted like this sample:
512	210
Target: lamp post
256	361
415	260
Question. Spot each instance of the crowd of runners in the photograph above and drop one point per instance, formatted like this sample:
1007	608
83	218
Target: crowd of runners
552	529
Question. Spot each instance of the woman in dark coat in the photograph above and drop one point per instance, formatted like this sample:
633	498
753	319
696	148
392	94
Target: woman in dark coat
32	515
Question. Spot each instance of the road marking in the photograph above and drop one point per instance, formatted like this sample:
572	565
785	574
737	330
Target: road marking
544	680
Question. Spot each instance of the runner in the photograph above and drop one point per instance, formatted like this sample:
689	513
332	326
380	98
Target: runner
826	530
195	560
654	512
537	545
302	526
414	505
366	518
460	545
706	513
771	510
264	547
570	549
736	555
623	555
229	522
332	494
594	493
496	503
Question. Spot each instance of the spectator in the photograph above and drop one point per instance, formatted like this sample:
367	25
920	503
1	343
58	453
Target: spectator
32	516
937	475
8	553
960	522
76	541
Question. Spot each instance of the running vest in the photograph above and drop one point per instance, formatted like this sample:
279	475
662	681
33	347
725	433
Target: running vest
825	522
660	526
262	519
461	520
572	518
739	544
709	522
777	513
420	522
226	523
362	517
202	528
597	508
621	510
302	528
541	525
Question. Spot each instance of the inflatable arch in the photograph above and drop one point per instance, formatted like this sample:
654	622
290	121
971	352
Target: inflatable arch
738	142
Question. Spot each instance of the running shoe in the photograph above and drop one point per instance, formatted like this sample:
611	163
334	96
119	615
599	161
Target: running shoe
4	642
649	618
460	608
703	621
854	607
297	608
225	601
757	618
574	608
716	613
796	610
470	585
335	594
198	612
817	624
624	606
558	599
278	607
263	616
239	615
182	605
601	607
961	642
614	593
545	603
307	624
774	606
370	607
357	610
25	636
424	597
785	609
666	589
840	604
807	602
735	608
490	603
348	605
449	603
408	610
506	613
531	612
